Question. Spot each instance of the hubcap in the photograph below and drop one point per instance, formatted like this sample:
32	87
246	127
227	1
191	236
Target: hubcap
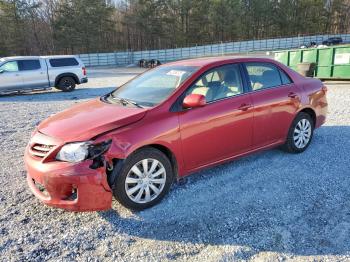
302	133
145	181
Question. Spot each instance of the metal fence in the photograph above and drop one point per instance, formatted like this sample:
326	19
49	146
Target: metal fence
166	55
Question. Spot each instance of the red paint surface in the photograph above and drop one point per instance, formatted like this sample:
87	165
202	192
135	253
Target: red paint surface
197	138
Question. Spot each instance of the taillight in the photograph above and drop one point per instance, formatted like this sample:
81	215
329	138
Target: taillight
84	71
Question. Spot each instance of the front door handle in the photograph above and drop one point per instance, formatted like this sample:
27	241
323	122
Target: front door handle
244	107
292	95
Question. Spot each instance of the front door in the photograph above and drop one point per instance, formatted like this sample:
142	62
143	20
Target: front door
223	127
10	77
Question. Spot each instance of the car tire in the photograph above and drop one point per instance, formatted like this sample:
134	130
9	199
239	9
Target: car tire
66	84
136	189
300	134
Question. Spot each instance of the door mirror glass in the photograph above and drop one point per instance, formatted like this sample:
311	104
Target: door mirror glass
193	101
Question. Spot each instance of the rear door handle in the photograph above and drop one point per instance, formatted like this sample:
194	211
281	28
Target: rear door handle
292	95
244	107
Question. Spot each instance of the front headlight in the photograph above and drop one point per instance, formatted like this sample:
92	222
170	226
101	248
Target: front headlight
79	151
74	152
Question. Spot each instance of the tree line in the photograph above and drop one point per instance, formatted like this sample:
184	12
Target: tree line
32	27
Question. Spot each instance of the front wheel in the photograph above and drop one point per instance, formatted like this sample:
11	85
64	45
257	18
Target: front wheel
144	179
300	134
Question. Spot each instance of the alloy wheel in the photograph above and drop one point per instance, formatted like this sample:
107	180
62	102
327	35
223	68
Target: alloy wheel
68	84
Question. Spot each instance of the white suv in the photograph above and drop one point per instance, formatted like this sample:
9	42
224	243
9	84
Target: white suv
27	73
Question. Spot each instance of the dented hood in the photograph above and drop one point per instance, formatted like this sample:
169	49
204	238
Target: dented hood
87	120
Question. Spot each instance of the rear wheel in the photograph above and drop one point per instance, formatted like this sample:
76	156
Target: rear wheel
144	179
66	84
300	134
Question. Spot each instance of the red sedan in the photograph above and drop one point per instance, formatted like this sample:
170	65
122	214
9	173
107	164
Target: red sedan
166	124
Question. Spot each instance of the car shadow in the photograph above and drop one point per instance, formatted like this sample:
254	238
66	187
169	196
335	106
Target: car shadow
270	201
54	95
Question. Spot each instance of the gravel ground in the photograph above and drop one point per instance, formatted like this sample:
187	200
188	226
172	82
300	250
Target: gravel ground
269	206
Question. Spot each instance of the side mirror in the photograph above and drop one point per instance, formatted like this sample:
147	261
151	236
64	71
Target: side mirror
193	101
2	71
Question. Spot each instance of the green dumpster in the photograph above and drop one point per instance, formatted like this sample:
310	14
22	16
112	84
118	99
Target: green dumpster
332	62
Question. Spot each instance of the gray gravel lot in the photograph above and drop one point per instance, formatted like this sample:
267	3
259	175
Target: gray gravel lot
269	206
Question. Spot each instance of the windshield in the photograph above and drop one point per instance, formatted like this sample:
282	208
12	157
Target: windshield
154	86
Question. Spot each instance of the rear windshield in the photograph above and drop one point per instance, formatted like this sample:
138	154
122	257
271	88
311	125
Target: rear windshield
59	62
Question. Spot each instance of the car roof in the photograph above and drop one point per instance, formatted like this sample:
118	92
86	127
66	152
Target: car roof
58	56
207	61
35	57
19	58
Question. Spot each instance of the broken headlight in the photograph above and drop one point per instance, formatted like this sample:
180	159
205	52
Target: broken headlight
79	151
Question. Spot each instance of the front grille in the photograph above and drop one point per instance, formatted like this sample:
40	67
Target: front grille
40	150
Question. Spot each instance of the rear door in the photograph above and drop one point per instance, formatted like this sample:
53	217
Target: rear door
10	77
223	127
34	73
275	99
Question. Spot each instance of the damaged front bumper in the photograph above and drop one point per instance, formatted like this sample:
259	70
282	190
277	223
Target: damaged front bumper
75	187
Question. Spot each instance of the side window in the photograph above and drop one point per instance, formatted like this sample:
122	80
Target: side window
218	83
263	75
10	66
60	62
285	78
27	65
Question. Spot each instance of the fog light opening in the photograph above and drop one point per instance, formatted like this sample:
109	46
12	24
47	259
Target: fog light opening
41	188
74	194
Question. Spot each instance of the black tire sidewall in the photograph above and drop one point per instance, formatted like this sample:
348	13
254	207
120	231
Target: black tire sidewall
62	86
290	144
119	184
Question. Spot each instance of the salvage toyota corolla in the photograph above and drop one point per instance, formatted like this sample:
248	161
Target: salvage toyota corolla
171	121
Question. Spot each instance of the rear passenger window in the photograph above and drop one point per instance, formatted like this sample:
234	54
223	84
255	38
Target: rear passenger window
60	62
263	75
27	65
285	78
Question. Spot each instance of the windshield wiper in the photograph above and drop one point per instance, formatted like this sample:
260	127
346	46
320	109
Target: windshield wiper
126	101
130	102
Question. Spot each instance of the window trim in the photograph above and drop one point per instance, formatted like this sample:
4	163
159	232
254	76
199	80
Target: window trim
177	105
278	68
